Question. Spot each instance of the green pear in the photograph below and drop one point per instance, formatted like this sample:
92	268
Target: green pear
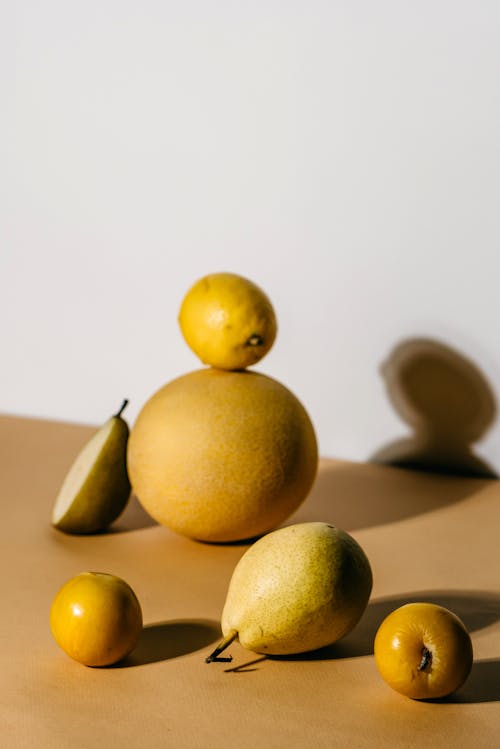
296	589
96	488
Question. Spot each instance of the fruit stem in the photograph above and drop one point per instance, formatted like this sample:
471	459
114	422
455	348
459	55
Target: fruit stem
255	340
426	659
122	409
223	644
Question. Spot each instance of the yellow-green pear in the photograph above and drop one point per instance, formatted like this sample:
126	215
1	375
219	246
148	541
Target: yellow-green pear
296	589
96	488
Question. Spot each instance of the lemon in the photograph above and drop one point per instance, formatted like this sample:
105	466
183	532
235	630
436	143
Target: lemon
222	456
228	321
96	618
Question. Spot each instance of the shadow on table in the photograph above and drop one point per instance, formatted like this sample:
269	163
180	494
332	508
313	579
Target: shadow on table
133	518
483	684
165	640
247	666
477	609
361	495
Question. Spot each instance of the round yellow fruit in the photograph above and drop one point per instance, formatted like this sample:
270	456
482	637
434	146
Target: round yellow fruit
96	618
228	321
423	651
222	456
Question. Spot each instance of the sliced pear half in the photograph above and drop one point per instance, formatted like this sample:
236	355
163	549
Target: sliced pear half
96	488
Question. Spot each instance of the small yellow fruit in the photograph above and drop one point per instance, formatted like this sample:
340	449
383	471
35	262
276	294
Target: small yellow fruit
423	651
222	456
227	321
96	618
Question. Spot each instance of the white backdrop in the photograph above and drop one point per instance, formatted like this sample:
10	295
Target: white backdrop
343	155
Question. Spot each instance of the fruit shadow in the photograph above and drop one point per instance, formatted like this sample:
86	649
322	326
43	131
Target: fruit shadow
446	402
477	609
133	518
482	685
360	495
163	641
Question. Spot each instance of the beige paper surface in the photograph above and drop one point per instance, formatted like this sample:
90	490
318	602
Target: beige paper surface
427	537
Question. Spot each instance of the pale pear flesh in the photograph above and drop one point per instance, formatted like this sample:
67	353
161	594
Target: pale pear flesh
297	589
96	488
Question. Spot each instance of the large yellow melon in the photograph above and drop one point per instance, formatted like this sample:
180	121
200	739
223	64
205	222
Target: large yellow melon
222	456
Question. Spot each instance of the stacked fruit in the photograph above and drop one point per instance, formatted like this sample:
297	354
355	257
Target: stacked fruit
225	454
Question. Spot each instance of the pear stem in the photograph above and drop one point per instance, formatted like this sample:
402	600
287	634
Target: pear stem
121	409
223	644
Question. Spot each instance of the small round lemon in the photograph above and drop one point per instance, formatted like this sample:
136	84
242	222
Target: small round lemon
96	618
228	321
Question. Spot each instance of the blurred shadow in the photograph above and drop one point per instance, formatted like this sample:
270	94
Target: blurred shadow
166	640
133	518
477	609
246	667
239	542
482	685
447	402
361	495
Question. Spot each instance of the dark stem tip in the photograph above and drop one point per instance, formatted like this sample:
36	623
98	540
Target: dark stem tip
122	408
215	656
218	658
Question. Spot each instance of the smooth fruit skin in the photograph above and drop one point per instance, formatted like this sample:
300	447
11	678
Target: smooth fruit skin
104	486
297	589
228	321
222	456
96	618
400	656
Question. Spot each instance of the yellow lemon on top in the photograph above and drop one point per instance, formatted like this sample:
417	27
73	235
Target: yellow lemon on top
228	321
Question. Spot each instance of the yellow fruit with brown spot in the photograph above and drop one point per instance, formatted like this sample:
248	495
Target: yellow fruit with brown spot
423	651
222	456
228	321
